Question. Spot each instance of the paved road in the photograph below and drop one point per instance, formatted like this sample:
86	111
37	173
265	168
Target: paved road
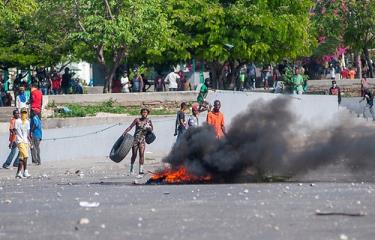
47	206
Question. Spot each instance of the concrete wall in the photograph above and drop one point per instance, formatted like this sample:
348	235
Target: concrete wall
125	99
349	87
313	109
317	109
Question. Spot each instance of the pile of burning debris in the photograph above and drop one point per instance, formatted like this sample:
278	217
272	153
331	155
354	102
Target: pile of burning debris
177	176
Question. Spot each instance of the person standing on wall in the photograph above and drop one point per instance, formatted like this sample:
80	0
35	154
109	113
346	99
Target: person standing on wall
137	83
171	80
66	81
297	82
125	83
21	99
251	76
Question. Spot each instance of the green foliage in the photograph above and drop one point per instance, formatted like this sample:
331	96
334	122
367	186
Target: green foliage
32	33
77	110
348	22
262	31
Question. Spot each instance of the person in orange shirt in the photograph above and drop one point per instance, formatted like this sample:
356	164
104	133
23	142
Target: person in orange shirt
12	142
215	118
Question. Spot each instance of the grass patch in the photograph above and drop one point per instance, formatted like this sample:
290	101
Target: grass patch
77	110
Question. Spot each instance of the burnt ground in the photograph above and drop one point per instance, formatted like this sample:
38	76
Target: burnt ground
47	206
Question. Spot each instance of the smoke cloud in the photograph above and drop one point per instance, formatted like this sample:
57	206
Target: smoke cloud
268	139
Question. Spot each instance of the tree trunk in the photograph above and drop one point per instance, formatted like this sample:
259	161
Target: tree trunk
359	66
368	61
110	71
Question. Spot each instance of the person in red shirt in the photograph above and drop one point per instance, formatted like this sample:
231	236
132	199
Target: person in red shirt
215	118
344	73
36	100
56	83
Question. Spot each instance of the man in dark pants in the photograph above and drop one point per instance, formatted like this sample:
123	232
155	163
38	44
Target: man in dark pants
370	103
181	124
12	142
36	137
66	81
335	90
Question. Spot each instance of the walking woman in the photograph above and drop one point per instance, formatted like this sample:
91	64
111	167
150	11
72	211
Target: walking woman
142	126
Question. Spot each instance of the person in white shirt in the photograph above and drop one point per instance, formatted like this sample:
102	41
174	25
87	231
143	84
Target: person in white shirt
22	129
21	99
171	79
125	83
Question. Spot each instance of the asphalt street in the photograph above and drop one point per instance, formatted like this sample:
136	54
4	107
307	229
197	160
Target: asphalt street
47	206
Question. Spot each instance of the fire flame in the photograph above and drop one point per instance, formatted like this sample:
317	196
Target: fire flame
180	175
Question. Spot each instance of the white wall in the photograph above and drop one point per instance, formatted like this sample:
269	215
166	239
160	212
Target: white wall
316	109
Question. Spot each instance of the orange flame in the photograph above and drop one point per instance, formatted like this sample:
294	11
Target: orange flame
180	175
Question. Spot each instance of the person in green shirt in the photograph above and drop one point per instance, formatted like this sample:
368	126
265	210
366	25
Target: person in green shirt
242	78
201	99
298	82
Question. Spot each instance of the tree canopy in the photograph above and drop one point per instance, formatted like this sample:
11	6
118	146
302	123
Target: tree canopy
32	33
347	22
155	31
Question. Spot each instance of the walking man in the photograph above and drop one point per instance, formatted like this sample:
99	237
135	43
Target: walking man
36	137
12	142
370	103
180	127
201	99
335	90
215	118
22	129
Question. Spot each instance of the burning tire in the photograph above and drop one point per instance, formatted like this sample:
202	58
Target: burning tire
121	148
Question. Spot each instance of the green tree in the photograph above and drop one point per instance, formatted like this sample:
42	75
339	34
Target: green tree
108	31
33	33
261	31
347	22
14	15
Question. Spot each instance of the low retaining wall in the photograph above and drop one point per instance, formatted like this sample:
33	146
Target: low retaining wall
124	99
348	87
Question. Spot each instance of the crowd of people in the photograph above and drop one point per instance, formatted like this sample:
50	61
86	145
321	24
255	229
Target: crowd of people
49	82
173	81
25	132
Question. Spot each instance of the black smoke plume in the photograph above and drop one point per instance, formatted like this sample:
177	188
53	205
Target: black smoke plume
266	139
